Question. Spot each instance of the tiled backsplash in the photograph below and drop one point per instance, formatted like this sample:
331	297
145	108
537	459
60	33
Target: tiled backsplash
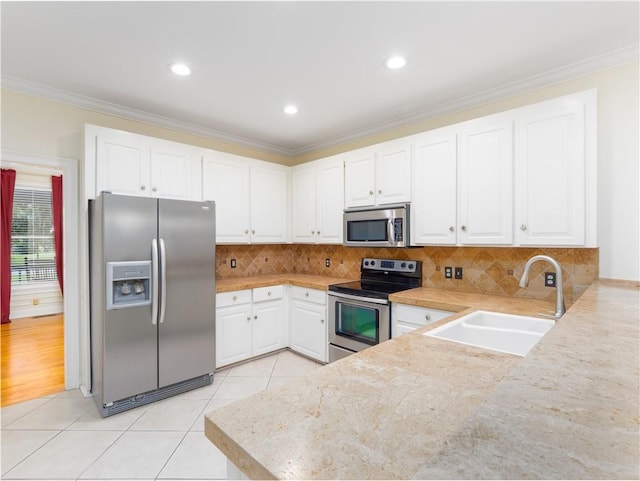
486	270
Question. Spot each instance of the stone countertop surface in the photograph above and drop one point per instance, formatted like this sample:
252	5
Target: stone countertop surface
419	407
301	280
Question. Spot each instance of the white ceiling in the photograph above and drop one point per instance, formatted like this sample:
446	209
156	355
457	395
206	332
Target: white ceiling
251	58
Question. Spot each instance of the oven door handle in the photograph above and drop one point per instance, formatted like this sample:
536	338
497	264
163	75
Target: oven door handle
351	297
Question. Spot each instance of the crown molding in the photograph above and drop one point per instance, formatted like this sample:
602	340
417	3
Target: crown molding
563	74
89	103
546	79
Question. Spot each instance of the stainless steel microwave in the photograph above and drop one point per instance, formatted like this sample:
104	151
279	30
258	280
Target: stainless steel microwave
386	226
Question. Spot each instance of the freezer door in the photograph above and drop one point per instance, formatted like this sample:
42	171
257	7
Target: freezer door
129	224
187	314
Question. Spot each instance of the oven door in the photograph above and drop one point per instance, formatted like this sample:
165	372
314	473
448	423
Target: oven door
356	323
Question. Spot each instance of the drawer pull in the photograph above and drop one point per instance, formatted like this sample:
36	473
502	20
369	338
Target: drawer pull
269	293
427	317
235	298
306	294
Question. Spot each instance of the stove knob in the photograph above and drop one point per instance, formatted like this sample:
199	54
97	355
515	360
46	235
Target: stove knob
403	265
366	263
410	266
373	263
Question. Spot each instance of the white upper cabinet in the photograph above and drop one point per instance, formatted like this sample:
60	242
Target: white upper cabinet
551	174
175	171
269	202
122	164
433	210
485	181
225	180
317	201
133	164
251	198
378	175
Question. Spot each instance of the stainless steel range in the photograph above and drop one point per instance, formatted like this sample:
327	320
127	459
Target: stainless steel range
360	311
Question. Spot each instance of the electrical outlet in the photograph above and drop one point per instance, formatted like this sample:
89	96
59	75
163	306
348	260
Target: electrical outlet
35	301
458	273
550	279
233	263
327	262
448	272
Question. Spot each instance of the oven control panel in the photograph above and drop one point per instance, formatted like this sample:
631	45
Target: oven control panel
389	265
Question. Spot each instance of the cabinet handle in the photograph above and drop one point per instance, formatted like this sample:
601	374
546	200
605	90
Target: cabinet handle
313	232
269	293
379	191
318	232
246	231
306	294
154	188
427	317
451	229
370	192
143	187
464	227
248	318
322	321
253	231
255	317
523	227
235	298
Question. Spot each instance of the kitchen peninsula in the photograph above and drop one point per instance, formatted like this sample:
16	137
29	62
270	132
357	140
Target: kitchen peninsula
420	407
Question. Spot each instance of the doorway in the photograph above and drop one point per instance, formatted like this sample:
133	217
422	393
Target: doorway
64	328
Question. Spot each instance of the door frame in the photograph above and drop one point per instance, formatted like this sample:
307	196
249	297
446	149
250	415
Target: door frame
71	249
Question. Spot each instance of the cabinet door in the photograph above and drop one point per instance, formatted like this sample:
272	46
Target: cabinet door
330	201
233	334
225	180
267	319
393	173
433	210
485	209
269	199
175	172
122	164
359	178
304	205
550	176
308	329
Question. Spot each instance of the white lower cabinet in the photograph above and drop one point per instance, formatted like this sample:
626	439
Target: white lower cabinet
408	318
308	322
249	323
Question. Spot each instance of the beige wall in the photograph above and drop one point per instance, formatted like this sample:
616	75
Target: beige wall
39	126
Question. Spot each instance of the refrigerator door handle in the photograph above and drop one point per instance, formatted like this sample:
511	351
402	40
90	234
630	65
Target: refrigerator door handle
154	281
163	274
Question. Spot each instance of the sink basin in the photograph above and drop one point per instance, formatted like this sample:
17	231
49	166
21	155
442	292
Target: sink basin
495	331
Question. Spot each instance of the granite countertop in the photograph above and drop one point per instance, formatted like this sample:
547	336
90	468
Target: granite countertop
301	280
420	407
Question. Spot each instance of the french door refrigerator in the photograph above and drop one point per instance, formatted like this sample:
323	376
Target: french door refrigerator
152	264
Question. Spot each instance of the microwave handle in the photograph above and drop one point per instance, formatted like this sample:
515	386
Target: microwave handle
392	238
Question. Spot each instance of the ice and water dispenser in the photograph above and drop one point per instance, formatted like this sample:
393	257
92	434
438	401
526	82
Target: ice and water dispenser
128	284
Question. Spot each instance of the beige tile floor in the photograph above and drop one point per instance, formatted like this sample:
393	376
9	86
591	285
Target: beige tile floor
62	436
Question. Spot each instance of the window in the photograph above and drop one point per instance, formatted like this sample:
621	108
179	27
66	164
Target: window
32	250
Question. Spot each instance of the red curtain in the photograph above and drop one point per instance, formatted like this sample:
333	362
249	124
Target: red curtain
56	204
8	182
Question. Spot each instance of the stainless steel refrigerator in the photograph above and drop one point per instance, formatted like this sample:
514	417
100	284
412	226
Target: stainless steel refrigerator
152	265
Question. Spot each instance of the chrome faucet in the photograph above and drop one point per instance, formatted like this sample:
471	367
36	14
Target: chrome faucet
524	281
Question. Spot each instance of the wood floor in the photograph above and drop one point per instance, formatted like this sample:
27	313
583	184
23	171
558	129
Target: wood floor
32	358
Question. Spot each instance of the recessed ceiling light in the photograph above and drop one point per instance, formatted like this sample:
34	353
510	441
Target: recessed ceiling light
291	110
180	69
396	62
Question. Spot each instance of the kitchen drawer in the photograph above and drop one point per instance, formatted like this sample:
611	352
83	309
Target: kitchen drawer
419	316
267	293
310	295
233	298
